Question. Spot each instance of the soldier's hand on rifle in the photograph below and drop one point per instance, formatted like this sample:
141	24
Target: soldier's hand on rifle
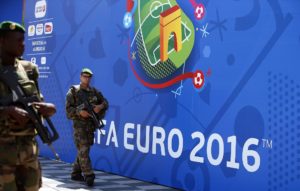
19	114
84	114
98	108
45	109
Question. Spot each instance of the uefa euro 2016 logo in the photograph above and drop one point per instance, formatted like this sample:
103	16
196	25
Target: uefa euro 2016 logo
161	40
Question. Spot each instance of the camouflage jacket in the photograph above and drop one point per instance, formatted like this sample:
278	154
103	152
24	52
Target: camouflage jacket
27	73
75	98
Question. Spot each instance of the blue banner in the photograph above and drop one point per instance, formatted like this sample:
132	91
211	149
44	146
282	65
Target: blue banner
204	95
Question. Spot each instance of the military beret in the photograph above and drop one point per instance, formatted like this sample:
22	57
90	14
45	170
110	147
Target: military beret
11	26
87	71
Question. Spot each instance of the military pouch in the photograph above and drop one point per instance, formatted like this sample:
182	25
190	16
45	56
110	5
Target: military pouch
29	88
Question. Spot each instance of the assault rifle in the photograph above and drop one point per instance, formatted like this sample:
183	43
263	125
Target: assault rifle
97	122
47	134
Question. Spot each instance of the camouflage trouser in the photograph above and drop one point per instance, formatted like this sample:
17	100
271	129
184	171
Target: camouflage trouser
19	165
83	141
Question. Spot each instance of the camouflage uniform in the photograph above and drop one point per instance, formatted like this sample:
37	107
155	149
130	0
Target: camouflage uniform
83	128
19	165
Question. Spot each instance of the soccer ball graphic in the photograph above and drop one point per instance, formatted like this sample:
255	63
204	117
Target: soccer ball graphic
199	11
198	79
127	20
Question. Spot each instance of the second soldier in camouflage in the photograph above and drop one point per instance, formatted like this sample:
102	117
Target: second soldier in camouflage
83	125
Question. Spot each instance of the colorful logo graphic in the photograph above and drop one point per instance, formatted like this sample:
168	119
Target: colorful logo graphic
40	9
161	41
39	29
48	28
31	30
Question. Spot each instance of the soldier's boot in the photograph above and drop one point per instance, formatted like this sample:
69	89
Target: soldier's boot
77	177
89	180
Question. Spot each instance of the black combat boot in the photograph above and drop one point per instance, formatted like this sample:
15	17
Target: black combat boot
77	177
89	180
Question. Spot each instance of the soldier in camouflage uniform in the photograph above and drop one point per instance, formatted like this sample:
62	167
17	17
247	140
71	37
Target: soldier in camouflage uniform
19	165
83	125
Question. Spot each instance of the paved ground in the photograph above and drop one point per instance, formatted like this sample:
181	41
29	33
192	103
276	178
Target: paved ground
56	176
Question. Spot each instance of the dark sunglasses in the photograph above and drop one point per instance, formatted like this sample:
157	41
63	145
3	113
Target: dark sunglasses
86	76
